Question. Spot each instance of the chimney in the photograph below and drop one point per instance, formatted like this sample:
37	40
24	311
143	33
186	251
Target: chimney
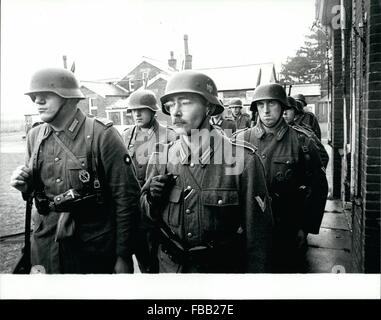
188	57
172	62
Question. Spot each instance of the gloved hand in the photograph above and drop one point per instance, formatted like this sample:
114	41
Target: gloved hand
160	186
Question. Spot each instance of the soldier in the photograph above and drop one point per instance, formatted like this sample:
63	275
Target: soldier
295	177
207	196
306	117
242	120
84	186
289	116
227	125
140	141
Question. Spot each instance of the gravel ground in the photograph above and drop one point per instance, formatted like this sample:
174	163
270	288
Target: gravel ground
12	207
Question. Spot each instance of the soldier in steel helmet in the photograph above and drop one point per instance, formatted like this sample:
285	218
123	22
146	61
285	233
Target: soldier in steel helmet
82	181
289	115
140	141
305	117
295	177
227	126
242	120
206	195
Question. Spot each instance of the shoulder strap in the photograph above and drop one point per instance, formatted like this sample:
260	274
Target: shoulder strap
128	136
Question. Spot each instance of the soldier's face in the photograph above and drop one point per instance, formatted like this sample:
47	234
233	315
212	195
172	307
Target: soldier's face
187	112
48	105
143	117
269	112
236	111
289	115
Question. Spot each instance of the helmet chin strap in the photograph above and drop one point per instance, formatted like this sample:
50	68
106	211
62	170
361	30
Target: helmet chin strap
59	110
206	115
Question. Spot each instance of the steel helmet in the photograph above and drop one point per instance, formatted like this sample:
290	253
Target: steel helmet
142	99
292	104
235	103
190	81
271	91
301	98
62	82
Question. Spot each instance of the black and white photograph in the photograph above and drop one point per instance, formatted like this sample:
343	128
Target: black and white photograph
190	149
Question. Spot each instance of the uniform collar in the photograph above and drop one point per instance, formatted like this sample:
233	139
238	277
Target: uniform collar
205	151
280	129
75	124
216	123
154	127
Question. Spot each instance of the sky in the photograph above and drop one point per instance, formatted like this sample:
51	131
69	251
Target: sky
108	38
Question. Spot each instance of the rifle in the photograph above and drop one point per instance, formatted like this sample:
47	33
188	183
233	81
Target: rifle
23	265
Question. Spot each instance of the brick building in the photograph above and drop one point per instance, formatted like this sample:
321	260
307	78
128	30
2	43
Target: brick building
354	31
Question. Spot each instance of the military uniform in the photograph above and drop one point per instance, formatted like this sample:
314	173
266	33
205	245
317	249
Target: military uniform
296	183
242	121
141	145
88	156
227	125
218	210
309	119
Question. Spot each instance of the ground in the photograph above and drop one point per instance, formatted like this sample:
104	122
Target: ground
329	251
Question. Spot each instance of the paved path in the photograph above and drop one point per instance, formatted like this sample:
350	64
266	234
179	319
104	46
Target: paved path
330	250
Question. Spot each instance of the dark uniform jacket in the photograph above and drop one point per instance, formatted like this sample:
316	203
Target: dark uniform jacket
295	175
309	132
228	126
219	202
309	119
242	121
141	144
103	229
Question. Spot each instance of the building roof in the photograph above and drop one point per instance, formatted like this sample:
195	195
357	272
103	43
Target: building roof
309	89
105	89
118	104
160	65
241	77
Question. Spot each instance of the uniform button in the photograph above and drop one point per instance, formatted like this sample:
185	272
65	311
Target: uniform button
187	211
58	180
57	133
88	137
189	187
56	159
83	164
191	165
220	202
263	156
189	235
58	199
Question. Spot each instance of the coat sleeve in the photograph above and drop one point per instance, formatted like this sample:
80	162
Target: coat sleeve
317	188
257	216
122	187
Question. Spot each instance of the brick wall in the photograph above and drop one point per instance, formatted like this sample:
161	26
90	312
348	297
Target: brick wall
367	184
372	145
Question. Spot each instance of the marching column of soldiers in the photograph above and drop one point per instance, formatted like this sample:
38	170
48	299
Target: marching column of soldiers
204	195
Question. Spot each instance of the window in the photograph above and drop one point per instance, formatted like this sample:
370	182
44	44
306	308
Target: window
115	117
93	109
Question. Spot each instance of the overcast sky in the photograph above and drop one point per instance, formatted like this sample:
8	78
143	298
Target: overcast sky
107	38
